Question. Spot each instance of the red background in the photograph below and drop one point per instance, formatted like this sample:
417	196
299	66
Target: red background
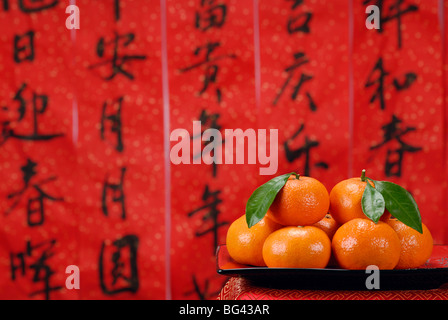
174	259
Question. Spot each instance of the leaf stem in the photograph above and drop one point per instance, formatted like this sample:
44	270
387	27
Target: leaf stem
297	175
363	175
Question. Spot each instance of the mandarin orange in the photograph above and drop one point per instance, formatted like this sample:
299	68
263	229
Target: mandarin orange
246	245
328	225
345	201
361	242
416	247
297	247
302	201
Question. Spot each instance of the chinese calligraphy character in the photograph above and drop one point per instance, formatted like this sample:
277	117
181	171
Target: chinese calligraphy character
115	192
118	265
293	154
117	10
24	47
117	60
296	3
211	213
395	11
39	106
29	6
409	78
35	203
209	66
213	15
299	59
203	293
115	122
393	131
379	94
300	22
210	121
20	264
5	5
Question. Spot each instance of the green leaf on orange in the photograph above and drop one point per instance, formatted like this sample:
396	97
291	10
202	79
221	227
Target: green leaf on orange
372	203
262	198
400	203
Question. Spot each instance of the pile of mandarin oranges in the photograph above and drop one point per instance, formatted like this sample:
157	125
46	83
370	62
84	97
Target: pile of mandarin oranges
308	227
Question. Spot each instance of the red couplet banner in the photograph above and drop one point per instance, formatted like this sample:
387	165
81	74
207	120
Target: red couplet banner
37	155
398	103
120	196
304	87
211	80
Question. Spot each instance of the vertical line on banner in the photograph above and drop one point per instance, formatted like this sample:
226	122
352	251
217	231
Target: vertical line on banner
351	101
257	65
257	61
441	7
166	144
442	21
75	131
75	120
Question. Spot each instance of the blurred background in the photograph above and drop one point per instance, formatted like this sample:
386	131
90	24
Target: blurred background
86	116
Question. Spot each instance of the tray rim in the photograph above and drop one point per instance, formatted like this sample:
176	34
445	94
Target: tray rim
253	270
